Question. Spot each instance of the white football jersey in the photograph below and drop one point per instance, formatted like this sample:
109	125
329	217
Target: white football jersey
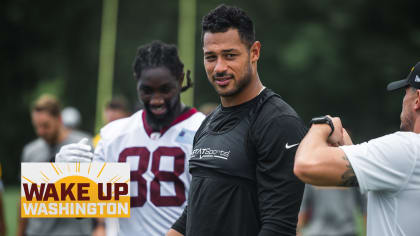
159	168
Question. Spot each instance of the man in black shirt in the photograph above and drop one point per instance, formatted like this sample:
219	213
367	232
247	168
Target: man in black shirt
243	154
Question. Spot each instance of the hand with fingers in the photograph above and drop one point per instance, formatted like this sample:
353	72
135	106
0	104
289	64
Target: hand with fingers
75	152
336	138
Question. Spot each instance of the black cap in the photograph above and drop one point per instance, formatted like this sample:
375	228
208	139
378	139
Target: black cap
413	80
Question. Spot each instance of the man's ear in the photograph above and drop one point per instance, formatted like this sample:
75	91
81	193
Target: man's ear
255	51
417	100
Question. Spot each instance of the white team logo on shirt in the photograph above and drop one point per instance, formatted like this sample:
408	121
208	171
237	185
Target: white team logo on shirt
290	146
209	153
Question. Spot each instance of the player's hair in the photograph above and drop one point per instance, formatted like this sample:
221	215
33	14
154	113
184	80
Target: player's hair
118	103
224	17
47	103
157	54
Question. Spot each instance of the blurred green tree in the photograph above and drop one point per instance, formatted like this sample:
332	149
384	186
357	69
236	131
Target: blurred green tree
323	57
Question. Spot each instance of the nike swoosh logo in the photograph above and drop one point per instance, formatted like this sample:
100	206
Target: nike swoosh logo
290	146
417	79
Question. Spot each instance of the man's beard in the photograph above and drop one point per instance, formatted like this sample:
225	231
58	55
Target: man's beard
157	123
407	125
241	83
51	140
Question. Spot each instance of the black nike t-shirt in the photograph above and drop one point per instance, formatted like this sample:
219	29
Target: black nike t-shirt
242	171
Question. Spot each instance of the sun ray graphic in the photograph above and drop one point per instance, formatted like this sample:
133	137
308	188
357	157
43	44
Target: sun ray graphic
45	176
116	180
90	164
30	181
55	169
112	179
100	172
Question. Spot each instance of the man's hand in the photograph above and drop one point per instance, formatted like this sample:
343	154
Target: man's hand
336	137
346	138
75	152
173	232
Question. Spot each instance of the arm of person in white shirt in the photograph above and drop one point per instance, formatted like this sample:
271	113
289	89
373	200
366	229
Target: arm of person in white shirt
319	160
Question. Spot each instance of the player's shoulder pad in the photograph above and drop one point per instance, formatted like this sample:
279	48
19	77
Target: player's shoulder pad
121	126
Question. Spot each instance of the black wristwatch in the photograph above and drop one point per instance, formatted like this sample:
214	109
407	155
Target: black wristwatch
323	120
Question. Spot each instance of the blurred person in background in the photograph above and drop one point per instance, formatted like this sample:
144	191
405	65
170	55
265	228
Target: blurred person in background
2	216
52	135
156	141
71	117
386	168
208	108
115	109
328	211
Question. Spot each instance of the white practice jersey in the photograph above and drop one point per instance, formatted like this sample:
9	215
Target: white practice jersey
159	168
388	169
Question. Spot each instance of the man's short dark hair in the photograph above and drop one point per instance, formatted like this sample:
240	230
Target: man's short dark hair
224	17
118	103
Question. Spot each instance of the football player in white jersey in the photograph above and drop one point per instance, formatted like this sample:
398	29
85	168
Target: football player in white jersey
156	141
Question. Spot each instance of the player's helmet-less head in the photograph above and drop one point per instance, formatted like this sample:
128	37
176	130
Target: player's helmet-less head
159	75
412	80
223	18
159	54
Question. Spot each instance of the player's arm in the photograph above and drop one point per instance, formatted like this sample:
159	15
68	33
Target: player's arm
173	232
279	191
179	227
320	162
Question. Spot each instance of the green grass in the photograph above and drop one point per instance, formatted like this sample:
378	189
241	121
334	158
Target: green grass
10	203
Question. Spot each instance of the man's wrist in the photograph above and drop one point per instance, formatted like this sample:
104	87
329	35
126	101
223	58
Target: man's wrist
323	129
323	120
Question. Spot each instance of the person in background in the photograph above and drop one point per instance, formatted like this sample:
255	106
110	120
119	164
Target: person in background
115	109
71	117
208	108
330	211
52	135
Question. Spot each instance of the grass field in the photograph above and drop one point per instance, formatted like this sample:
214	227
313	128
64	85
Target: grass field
10	202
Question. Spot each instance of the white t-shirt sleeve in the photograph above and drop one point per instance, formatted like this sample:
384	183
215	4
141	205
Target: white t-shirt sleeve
384	163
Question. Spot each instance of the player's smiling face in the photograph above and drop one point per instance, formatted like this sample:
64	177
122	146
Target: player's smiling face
227	62
159	91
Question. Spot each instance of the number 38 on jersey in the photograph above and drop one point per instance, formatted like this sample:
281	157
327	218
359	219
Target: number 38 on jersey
156	175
